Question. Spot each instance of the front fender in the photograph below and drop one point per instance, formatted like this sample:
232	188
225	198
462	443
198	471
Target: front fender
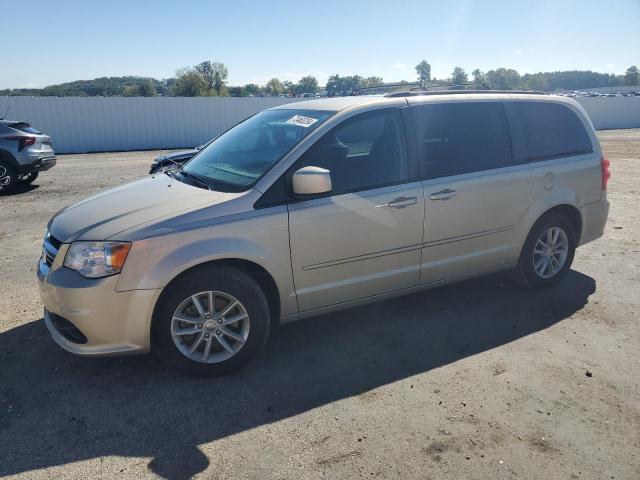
264	240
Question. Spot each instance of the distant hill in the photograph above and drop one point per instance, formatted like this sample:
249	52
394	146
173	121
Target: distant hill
100	87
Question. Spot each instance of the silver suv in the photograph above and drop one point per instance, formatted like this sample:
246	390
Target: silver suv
24	152
318	206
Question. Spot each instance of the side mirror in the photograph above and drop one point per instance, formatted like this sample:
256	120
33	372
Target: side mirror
311	181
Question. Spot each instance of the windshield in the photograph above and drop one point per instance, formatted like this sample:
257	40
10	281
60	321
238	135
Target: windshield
239	157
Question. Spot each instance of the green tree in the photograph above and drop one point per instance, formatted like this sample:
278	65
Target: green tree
189	83
130	91
237	92
146	89
205	69
632	76
372	81
423	69
251	89
220	75
536	81
333	85
459	76
289	87
478	77
504	79
337	85
274	86
214	75
308	84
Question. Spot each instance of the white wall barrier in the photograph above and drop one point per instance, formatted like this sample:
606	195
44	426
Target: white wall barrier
612	112
102	124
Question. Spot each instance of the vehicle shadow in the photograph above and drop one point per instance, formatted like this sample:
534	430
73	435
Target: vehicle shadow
19	189
56	408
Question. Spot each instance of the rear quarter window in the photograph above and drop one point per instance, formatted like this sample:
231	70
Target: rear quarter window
551	130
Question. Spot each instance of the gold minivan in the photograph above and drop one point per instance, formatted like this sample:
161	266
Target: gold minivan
321	205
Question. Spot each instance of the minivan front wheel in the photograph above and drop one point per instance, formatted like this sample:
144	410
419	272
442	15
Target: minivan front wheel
211	321
548	251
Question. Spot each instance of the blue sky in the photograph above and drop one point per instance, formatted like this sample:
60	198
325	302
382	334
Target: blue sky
51	42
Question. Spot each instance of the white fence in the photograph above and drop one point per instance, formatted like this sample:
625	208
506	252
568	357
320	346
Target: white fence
110	124
612	112
96	124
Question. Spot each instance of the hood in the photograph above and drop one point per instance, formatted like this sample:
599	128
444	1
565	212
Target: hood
106	214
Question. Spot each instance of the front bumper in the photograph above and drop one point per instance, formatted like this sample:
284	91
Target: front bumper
39	164
112	323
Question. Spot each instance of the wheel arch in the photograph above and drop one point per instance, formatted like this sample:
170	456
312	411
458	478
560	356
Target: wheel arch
257	272
571	213
8	156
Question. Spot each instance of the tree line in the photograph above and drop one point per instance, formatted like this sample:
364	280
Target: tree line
210	78
509	79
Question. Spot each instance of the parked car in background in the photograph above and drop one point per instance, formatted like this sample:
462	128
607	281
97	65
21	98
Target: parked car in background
318	206
172	159
24	153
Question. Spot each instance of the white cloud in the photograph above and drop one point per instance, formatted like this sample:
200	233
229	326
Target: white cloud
518	52
610	66
398	65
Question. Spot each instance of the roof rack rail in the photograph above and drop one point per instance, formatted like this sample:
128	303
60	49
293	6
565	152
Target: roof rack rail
418	88
413	93
360	90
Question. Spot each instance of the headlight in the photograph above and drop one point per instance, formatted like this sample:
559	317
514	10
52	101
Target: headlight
96	259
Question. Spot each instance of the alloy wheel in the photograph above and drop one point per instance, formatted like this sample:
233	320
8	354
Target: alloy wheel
5	177
210	327
550	252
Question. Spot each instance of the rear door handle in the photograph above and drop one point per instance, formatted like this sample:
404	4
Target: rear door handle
402	202
445	194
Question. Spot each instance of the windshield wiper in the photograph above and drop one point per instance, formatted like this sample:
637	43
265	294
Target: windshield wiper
172	173
194	177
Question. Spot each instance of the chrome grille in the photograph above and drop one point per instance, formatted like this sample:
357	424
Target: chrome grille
50	249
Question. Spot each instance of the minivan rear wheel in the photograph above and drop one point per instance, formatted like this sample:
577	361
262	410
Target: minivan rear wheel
211	321
548	251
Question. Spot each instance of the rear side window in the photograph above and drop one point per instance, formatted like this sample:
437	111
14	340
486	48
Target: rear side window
551	130
459	138
25	127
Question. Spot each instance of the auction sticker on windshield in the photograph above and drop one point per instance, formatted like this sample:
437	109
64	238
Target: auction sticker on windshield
302	121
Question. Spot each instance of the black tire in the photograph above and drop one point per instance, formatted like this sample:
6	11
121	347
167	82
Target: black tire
28	177
8	176
224	279
525	271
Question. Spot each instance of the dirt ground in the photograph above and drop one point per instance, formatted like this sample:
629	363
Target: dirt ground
475	380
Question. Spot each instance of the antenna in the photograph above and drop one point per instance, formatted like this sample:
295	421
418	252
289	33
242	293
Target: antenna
5	113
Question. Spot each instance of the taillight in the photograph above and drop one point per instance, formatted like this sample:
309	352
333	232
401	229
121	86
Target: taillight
606	172
23	141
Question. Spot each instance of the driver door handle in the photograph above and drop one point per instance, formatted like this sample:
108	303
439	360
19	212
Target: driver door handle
402	202
445	194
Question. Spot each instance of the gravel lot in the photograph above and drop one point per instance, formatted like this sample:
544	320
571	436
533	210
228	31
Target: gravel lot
475	380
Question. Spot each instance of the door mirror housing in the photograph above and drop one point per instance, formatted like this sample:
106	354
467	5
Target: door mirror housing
311	181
